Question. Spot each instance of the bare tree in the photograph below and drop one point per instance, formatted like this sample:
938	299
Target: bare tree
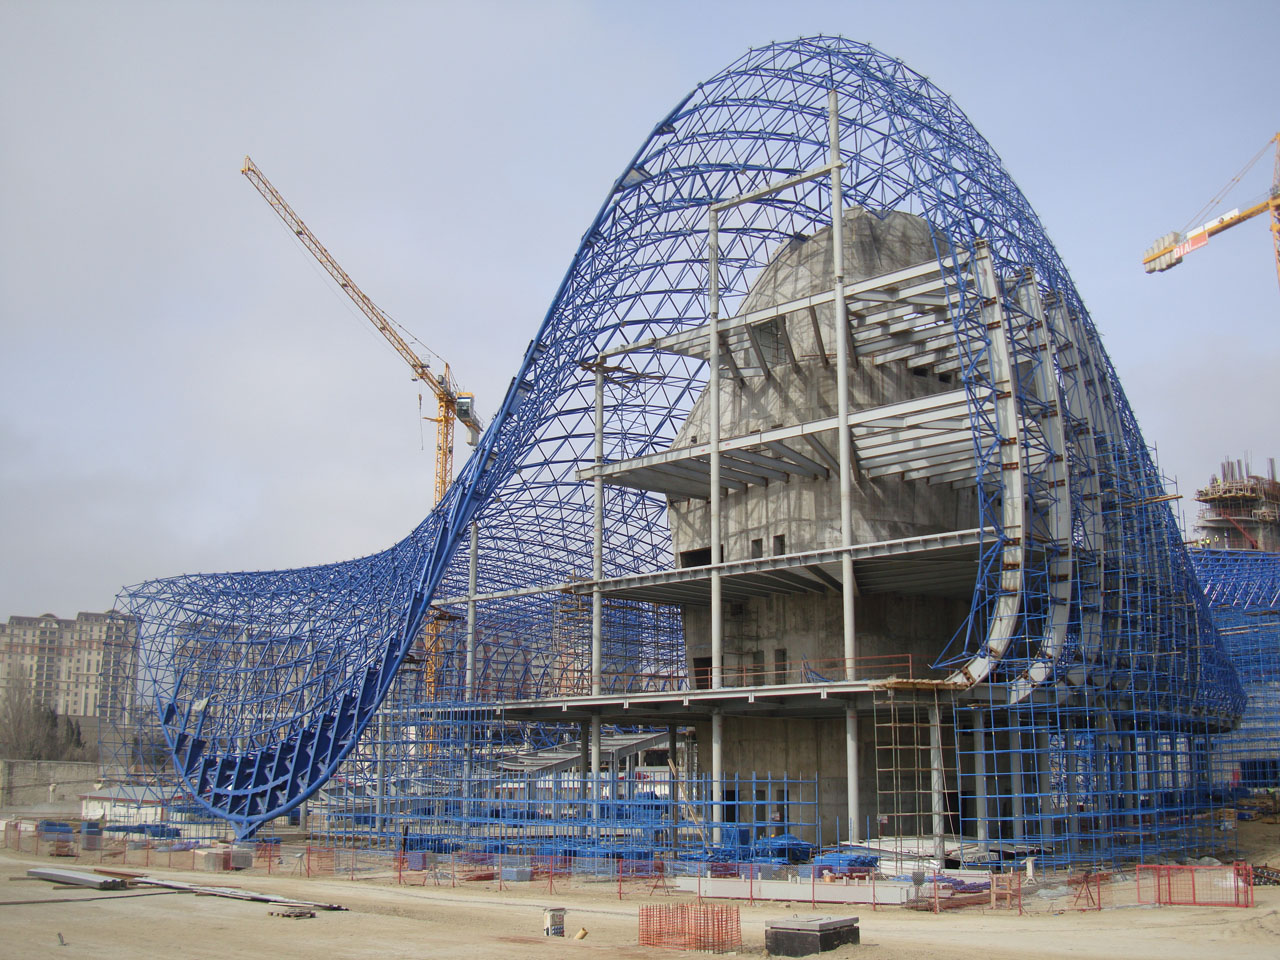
30	730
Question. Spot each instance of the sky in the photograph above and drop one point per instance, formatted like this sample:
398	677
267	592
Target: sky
184	390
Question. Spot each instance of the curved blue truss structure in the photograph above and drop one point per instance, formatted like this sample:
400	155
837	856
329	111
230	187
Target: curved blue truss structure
265	681
1243	587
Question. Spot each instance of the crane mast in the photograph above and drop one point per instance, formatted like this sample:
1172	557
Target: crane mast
451	403
1168	251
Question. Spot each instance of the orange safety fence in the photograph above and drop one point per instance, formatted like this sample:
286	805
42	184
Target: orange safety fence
320	861
689	926
1222	885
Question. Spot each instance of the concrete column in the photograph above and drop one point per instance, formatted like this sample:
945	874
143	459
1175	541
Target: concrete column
937	785
713	417
980	805
597	536
1017	787
717	770
851	772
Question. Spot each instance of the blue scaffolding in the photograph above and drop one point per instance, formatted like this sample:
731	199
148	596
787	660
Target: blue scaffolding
1243	587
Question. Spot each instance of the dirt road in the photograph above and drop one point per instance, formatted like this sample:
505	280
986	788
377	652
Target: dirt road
386	922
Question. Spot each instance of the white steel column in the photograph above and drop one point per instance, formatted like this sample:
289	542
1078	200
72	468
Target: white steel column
1017	787
713	386
846	461
469	677
1044	787
595	768
938	785
842	386
980	805
1130	755
597	541
851	772
380	802
717	769
473	563
1074	792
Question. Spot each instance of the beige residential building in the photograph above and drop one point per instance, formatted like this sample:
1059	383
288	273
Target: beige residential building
78	667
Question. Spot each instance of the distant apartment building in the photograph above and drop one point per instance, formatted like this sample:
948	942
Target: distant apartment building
78	667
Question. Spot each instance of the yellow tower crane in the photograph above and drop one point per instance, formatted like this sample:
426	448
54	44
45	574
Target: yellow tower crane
1169	250
451	403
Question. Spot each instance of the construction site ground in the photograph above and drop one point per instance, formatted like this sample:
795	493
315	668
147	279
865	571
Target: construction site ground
388	920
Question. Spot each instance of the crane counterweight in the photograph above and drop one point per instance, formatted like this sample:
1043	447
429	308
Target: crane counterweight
1168	251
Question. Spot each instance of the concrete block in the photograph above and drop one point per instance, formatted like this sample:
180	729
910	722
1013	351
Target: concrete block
214	860
802	936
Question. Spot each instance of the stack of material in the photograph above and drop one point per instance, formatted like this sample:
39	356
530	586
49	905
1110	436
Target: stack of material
76	879
214	860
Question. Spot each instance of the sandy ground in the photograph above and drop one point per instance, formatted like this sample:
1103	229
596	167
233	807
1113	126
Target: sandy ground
473	921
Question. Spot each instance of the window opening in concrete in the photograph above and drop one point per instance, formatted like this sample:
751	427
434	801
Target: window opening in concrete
699	557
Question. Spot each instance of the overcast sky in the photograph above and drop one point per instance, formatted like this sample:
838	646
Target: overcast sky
185	390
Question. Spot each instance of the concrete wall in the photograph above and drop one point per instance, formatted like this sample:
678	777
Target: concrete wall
24	784
894	771
805	513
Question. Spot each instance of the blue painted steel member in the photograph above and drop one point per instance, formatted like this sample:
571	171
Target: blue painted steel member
264	682
1243	587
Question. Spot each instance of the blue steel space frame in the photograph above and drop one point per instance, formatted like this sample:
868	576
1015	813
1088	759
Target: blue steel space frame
264	682
1243	588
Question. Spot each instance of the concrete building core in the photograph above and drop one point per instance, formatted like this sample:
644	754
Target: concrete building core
795	637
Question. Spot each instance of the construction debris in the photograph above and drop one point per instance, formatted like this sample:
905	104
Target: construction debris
1266	876
234	893
121	876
